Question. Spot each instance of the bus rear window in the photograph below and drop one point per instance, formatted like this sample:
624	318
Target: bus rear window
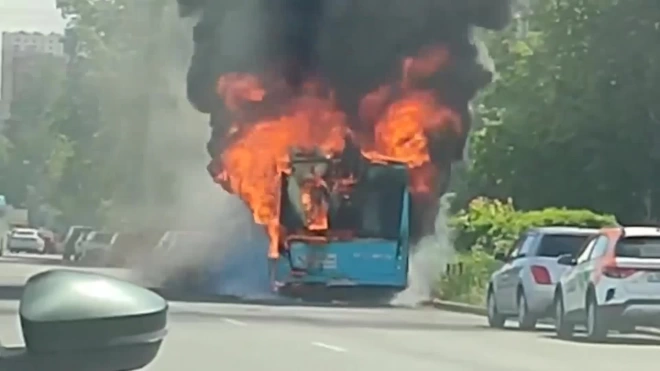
639	247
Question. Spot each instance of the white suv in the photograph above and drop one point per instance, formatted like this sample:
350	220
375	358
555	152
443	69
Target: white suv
614	283
25	240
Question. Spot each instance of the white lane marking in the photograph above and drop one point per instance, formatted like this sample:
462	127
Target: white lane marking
234	322
329	347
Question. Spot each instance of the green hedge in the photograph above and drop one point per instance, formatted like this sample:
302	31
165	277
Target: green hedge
468	283
493	225
488	226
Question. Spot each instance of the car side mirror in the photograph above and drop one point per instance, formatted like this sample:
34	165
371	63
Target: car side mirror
500	256
75	320
566	260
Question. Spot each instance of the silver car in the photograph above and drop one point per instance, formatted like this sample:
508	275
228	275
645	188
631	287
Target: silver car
95	247
524	286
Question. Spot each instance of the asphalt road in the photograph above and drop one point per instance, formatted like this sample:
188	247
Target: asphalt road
15	269
282	338
254	338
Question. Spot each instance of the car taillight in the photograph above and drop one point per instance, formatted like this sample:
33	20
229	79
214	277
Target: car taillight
616	272
541	275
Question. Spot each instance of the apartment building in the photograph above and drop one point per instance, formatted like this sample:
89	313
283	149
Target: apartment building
22	53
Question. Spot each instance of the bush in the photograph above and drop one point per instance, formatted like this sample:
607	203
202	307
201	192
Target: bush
488	226
493	225
468	279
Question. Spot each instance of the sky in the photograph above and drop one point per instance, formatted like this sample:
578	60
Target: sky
30	15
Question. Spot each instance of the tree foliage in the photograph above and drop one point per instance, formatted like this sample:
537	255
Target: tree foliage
572	120
105	109
32	152
77	135
493	225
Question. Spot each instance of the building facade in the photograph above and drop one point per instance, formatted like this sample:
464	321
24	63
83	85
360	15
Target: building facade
22	52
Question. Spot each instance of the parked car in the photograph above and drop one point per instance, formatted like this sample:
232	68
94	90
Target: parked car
133	247
524	286
69	244
25	240
613	284
77	249
95	247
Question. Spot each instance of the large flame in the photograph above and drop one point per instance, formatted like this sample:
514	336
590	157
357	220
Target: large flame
269	118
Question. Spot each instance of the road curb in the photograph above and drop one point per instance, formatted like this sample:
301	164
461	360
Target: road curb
453	306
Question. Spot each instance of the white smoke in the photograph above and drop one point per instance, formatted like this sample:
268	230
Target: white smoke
432	254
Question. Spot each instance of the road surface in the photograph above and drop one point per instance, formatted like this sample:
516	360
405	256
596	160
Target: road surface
255	338
284	338
15	269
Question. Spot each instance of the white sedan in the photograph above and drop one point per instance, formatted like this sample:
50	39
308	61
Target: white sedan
25	240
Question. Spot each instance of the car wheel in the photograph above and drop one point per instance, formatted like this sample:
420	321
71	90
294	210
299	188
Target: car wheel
495	319
596	321
563	327
526	319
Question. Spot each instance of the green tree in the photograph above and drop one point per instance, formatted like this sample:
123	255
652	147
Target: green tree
571	120
34	153
116	72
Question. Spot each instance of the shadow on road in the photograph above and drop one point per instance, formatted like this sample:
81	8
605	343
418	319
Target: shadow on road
616	340
269	299
516	329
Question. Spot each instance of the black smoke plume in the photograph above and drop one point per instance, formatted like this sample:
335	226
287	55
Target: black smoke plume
355	45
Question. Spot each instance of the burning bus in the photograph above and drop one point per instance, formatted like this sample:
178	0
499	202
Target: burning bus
344	222
337	122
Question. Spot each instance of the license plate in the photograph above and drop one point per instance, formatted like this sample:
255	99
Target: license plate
653	277
330	262
320	261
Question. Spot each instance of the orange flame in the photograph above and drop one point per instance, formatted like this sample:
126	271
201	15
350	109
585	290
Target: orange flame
397	118
316	207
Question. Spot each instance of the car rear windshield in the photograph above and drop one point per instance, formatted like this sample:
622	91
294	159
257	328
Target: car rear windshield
554	245
639	247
